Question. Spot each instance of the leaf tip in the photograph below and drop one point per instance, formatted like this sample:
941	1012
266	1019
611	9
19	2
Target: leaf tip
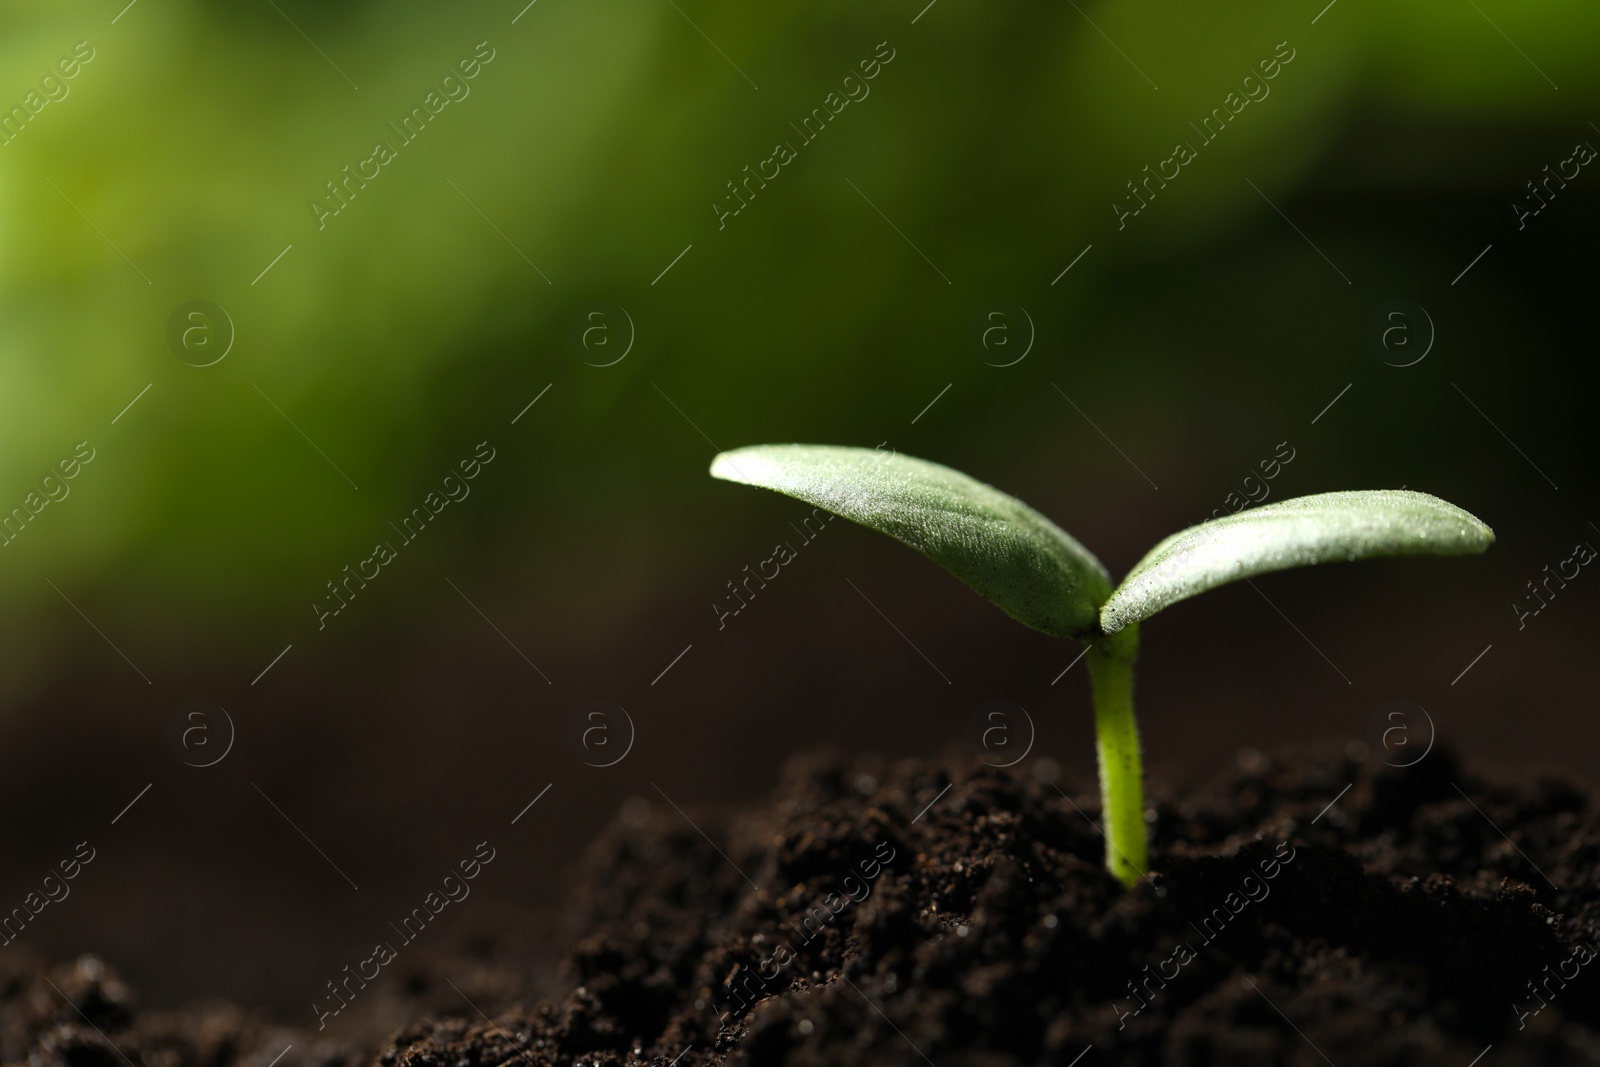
1474	533
724	466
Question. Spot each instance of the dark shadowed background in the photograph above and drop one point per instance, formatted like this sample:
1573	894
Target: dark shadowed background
1142	368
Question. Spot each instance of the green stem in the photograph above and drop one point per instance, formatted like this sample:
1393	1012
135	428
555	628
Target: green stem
1121	767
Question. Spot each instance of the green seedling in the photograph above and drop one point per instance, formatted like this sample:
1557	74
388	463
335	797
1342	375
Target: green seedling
1042	577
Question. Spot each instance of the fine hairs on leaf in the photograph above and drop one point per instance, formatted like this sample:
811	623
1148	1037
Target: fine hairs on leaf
1024	563
1041	576
1325	528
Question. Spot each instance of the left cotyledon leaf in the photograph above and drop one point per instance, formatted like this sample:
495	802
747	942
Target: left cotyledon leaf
1021	561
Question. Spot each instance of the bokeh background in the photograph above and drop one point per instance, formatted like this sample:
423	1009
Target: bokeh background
580	174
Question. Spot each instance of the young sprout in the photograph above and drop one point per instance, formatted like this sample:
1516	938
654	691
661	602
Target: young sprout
1039	575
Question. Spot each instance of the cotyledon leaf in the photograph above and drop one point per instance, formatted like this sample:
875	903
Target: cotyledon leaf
1324	528
1020	560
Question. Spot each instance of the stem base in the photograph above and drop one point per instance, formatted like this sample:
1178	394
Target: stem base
1110	662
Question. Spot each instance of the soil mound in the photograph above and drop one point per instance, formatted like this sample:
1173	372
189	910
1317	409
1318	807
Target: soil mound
1301	909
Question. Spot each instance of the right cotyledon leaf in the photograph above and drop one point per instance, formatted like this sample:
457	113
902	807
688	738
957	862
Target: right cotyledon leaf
1020	560
1324	528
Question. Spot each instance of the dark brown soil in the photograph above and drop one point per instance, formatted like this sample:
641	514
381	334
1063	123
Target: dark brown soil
839	926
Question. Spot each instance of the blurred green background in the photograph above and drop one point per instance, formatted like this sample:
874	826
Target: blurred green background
380	348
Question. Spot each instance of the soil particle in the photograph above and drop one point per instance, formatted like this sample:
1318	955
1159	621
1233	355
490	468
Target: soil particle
948	913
